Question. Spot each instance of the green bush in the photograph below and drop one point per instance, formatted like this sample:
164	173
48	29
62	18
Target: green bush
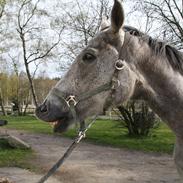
137	118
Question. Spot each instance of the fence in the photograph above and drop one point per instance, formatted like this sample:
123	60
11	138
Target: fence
110	114
9	109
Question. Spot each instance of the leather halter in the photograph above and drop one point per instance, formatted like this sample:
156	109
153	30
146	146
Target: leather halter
72	100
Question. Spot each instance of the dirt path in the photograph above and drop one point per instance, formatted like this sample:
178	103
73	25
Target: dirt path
17	175
97	164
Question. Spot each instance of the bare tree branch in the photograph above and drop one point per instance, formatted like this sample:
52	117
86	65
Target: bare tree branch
2	7
166	13
178	9
32	14
47	52
174	18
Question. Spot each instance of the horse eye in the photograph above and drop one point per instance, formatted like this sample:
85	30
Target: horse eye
88	57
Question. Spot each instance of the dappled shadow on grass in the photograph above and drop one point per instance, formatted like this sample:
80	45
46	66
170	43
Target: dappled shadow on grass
4	145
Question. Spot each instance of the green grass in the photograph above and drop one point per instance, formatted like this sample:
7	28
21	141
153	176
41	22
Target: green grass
13	157
27	123
105	132
111	133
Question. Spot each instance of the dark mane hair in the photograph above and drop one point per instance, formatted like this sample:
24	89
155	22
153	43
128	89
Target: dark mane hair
174	57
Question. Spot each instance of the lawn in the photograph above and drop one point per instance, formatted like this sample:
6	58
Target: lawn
104	132
14	157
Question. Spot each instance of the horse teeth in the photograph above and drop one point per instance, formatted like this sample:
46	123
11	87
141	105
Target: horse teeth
54	123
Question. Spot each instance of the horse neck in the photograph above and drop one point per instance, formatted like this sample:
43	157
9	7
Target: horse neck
161	86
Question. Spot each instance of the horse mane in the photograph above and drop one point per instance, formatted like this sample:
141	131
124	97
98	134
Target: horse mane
174	57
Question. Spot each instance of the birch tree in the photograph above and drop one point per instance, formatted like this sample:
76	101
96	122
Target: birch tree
27	32
32	36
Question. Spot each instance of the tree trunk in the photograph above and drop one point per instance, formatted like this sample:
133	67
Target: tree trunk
25	110
2	104
27	69
31	85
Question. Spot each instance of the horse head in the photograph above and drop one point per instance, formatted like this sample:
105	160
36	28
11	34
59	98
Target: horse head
95	66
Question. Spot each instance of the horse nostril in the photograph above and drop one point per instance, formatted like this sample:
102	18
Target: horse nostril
43	108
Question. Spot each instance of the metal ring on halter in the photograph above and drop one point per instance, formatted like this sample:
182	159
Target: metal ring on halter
71	99
119	65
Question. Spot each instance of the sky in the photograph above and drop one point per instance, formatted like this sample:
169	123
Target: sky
136	20
52	68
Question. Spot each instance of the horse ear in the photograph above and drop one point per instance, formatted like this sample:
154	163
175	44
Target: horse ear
117	16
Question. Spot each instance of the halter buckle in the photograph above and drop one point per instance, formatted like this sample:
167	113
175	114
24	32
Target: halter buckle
115	84
71	100
119	65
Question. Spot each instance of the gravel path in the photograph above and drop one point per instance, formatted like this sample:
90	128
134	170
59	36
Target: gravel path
95	164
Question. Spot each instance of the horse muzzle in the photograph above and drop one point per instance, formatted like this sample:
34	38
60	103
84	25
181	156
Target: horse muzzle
57	114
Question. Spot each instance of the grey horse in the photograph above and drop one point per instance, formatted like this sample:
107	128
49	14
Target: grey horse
144	68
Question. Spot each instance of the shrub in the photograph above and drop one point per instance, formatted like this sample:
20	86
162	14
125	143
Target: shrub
137	118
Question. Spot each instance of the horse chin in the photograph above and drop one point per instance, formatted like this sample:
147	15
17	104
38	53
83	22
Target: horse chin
61	125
